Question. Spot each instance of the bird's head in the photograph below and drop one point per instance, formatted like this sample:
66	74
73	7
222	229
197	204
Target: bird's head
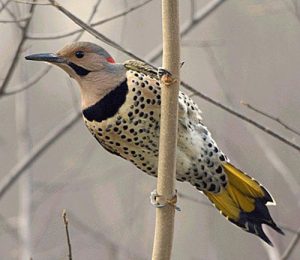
90	65
78	59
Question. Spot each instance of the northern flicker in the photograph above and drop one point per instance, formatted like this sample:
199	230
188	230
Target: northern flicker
121	108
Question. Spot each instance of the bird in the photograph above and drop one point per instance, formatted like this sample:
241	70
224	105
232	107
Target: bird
120	105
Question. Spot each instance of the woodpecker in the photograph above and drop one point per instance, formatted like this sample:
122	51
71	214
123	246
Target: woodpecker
121	108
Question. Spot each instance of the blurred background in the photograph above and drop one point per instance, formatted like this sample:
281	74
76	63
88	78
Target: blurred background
245	50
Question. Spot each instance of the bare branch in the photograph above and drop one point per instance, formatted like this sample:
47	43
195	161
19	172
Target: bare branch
102	238
29	83
94	11
66	223
37	151
244	118
129	10
30	2
12	15
22	19
291	246
166	172
92	31
278	120
4	5
15	58
187	27
66	34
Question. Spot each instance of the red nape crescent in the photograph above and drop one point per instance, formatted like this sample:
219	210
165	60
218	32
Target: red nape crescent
110	60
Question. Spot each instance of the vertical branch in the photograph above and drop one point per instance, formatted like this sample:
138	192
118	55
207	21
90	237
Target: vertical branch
164	226
66	223
24	147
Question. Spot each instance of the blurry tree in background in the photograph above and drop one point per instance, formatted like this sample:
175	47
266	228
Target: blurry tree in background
239	50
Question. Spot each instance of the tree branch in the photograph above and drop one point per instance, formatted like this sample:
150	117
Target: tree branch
3	5
20	88
244	118
291	246
188	26
92	31
15	58
278	120
55	36
66	223
36	152
22	19
166	175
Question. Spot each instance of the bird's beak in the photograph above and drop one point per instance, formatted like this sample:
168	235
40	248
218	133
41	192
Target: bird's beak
48	57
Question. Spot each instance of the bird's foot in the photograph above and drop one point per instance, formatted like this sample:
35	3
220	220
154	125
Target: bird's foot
163	201
165	77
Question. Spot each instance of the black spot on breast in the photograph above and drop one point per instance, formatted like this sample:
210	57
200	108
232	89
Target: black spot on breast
212	187
109	105
219	169
223	178
221	157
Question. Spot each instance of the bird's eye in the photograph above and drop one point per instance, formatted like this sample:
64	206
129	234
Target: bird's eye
79	54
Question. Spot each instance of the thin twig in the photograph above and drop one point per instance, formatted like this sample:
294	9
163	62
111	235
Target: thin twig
13	16
244	118
66	223
94	11
4	5
66	34
102	238
29	83
22	19
92	31
121	14
30	2
291	246
278	120
188	26
37	151
15	58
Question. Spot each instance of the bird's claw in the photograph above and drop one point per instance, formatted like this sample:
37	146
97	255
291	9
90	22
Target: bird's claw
153	199
165	76
153	196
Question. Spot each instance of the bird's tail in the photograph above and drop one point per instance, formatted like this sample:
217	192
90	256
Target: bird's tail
243	202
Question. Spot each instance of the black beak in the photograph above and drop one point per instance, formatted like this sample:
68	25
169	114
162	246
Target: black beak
48	57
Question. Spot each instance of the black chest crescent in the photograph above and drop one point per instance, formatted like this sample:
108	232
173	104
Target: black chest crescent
109	105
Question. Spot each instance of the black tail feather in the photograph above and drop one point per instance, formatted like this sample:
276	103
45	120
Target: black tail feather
252	221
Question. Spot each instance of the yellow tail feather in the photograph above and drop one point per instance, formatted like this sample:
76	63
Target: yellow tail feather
243	202
244	183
